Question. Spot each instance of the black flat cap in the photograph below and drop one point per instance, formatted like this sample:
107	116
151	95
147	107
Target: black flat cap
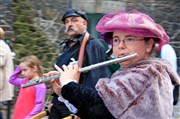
74	12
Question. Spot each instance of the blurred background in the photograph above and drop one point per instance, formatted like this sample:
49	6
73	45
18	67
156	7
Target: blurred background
35	26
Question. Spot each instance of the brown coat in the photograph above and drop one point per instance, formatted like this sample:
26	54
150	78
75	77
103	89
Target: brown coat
142	91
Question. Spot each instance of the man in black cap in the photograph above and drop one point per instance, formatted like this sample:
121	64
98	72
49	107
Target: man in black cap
76	22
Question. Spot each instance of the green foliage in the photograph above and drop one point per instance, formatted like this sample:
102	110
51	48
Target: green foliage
29	39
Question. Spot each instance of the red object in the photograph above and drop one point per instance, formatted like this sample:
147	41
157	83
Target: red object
25	103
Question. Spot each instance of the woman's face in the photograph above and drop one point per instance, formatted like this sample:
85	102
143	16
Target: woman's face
126	44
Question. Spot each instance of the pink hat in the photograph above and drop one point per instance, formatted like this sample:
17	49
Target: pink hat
133	22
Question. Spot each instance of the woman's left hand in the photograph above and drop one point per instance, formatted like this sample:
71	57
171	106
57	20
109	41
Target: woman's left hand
56	87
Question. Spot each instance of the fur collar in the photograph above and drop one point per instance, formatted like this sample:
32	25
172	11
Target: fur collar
144	90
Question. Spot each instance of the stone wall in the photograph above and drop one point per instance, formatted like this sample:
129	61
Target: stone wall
48	15
6	17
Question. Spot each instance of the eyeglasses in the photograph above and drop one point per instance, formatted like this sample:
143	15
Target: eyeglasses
127	41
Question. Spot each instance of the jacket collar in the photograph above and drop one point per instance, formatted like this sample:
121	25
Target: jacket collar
78	38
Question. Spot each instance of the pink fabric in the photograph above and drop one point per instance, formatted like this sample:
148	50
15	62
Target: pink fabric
132	22
25	103
142	91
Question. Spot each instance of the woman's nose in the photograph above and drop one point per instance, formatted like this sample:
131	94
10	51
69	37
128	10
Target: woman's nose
121	44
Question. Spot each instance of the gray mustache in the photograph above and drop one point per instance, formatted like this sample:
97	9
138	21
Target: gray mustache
70	28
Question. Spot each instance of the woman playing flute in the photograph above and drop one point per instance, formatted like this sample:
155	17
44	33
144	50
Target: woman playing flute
141	89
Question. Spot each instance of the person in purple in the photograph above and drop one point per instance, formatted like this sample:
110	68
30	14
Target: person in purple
30	100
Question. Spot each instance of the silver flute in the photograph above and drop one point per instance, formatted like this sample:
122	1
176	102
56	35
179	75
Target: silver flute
84	69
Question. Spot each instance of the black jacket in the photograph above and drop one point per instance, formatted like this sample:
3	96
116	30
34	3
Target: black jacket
87	100
94	53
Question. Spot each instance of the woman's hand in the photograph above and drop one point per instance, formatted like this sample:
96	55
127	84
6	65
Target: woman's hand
56	87
54	82
68	75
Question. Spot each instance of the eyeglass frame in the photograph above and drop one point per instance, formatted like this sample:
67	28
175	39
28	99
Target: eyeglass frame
125	40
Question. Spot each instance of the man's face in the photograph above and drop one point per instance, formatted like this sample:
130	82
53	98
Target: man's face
75	26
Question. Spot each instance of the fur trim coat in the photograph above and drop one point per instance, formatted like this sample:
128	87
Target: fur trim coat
141	91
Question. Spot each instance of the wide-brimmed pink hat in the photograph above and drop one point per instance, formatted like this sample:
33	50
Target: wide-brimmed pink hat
132	22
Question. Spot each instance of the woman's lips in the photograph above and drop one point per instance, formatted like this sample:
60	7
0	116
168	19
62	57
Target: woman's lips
122	55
